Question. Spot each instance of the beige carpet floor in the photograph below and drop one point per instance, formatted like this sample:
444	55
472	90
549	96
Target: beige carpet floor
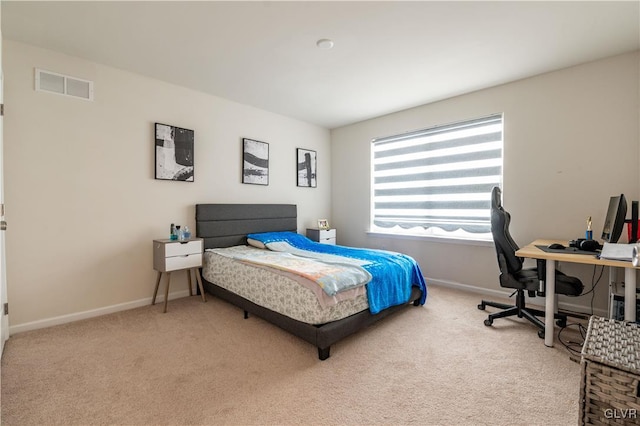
202	363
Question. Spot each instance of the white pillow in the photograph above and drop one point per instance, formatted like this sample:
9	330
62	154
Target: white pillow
255	243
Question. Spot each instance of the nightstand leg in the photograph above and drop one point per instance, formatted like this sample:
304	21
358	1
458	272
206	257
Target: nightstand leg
190	285
199	280
166	291
155	292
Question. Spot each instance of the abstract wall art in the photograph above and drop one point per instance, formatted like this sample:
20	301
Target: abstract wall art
306	167
174	153
255	162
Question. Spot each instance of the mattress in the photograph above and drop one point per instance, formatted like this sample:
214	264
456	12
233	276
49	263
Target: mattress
280	291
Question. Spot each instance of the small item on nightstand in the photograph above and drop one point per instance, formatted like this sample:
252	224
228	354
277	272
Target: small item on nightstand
174	233
186	234
589	233
180	233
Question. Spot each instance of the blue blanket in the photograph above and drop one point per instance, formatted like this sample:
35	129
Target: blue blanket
393	274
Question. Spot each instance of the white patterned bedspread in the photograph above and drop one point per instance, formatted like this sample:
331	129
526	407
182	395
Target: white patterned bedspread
282	291
333	275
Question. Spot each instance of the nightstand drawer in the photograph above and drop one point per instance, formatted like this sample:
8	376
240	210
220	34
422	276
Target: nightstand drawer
324	236
170	255
327	233
175	263
181	248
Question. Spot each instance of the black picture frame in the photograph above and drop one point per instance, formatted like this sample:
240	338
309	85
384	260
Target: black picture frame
255	162
174	154
306	168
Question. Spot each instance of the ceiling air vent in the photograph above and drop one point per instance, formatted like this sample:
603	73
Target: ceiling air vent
47	81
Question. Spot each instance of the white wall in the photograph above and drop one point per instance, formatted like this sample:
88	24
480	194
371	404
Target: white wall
83	207
571	140
81	200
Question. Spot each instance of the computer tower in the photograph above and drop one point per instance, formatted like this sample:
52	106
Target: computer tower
617	308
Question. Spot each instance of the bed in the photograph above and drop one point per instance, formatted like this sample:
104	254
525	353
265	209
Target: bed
227	226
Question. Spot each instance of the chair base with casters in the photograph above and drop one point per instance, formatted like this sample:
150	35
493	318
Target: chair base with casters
521	311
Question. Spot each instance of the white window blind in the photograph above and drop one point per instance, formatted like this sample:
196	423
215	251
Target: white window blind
438	181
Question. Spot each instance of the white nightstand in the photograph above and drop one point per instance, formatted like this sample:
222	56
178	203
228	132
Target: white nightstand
324	236
172	255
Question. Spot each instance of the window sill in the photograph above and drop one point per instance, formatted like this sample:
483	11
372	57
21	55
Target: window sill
434	239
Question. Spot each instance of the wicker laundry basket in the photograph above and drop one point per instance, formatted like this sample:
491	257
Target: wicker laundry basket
610	364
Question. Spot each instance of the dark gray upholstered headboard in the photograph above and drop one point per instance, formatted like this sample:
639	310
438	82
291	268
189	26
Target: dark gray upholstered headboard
226	225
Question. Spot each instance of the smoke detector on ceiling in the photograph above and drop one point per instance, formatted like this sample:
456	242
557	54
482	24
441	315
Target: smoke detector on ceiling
324	43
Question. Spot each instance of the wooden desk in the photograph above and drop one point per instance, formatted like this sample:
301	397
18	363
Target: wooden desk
533	252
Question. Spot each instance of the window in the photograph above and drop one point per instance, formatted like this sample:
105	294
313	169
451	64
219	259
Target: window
438	181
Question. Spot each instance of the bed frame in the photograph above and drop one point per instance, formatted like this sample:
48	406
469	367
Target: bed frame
226	225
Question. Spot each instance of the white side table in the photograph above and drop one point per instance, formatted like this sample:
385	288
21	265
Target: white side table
172	255
323	236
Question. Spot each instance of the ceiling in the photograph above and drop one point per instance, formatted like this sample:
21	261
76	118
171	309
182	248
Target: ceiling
387	56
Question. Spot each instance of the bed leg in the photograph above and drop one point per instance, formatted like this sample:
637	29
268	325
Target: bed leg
246	314
323	353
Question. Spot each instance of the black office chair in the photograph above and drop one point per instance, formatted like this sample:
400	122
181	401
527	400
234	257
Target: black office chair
512	275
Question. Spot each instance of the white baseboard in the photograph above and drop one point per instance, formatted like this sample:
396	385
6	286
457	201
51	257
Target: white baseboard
504	294
63	319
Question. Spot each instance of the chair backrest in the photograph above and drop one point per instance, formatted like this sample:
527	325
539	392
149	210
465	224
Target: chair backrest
506	247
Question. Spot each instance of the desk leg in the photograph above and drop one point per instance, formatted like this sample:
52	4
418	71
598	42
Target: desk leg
629	294
550	309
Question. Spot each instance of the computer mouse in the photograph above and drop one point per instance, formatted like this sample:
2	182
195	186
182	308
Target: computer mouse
556	246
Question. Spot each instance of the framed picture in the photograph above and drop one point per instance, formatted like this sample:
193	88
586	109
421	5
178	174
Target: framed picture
323	224
255	162
306	167
174	153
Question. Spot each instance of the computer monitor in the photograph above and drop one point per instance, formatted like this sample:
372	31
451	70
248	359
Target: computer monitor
614	221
